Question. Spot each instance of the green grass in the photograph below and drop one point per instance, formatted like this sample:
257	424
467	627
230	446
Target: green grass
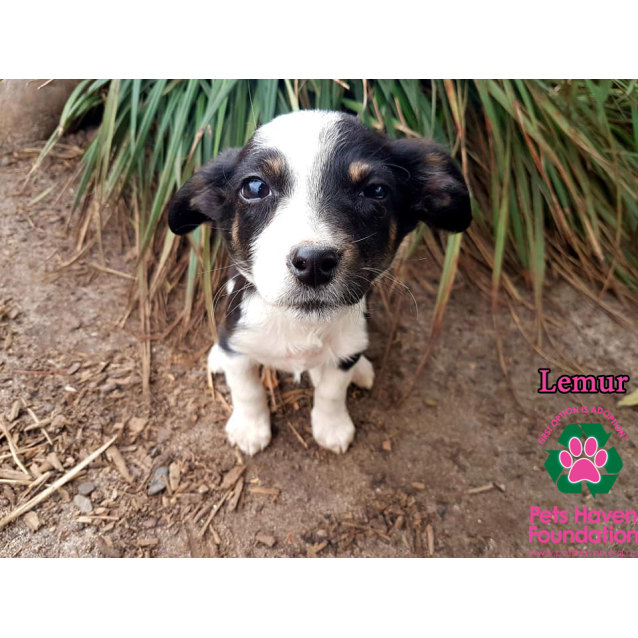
552	167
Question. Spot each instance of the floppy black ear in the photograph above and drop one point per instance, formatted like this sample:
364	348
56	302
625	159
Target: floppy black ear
202	198
435	191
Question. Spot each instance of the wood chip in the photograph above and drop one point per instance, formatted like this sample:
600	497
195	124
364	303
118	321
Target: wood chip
429	532
232	476
266	539
418	486
14	412
313	550
115	456
216	538
136	425
482	488
387	445
174	475
147	542
499	486
55	462
14	475
234	499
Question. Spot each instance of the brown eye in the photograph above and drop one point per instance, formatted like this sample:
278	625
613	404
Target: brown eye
374	191
254	189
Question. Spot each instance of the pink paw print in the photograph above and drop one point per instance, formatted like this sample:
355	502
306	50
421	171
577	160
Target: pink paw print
583	469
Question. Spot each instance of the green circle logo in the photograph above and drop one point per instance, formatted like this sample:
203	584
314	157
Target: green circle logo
584	460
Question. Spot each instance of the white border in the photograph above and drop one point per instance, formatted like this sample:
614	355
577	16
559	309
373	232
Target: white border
331	38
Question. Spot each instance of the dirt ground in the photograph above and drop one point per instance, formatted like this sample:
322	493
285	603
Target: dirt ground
70	379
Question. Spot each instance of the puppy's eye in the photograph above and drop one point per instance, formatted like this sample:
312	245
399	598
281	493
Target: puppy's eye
374	191
254	189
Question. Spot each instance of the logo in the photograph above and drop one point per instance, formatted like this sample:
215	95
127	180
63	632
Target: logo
585	461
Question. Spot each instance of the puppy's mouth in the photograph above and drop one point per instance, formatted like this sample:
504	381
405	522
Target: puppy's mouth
325	299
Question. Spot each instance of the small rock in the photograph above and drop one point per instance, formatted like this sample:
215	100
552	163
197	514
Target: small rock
14	412
86	488
158	481
4	161
83	503
266	539
32	521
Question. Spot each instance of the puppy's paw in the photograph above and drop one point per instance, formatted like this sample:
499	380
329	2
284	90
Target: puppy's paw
249	434
363	374
332	430
215	358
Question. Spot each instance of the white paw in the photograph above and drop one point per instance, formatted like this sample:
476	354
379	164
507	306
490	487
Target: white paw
363	373
332	430
249	434
215	358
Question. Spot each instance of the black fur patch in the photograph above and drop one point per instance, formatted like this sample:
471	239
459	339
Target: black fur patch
232	313
348	362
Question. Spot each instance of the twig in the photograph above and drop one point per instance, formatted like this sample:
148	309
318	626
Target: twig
214	511
482	488
111	271
71	474
299	437
12	447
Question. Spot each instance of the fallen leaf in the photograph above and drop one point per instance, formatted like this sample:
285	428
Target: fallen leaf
629	401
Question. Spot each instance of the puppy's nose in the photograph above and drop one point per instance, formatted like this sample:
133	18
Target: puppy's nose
313	266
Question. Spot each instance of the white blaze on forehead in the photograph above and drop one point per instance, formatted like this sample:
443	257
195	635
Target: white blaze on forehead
306	140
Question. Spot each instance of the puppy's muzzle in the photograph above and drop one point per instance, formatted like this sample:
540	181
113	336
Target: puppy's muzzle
313	266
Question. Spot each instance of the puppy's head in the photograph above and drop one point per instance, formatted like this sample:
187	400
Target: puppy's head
314	207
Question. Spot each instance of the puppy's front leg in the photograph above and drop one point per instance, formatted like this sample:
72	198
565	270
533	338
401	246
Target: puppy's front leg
249	424
332	426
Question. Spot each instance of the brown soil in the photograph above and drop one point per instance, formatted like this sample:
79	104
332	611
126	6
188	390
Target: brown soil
405	488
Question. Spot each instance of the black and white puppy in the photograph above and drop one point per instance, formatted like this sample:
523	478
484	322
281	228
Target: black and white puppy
312	211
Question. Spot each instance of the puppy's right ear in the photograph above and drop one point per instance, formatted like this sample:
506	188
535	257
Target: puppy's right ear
203	196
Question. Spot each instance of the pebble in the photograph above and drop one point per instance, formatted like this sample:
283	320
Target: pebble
32	521
266	539
83	503
158	481
86	488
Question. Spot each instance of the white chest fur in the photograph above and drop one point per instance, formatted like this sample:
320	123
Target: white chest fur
279	338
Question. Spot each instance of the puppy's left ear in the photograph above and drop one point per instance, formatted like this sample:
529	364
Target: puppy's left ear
435	191
203	196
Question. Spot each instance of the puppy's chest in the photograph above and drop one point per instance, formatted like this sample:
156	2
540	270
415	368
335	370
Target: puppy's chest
278	339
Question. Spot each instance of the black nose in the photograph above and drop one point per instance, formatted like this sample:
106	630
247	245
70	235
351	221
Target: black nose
313	266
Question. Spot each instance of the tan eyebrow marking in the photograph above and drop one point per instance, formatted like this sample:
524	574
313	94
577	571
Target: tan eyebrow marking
358	170
274	165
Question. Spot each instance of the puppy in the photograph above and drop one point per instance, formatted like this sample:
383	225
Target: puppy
312	211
